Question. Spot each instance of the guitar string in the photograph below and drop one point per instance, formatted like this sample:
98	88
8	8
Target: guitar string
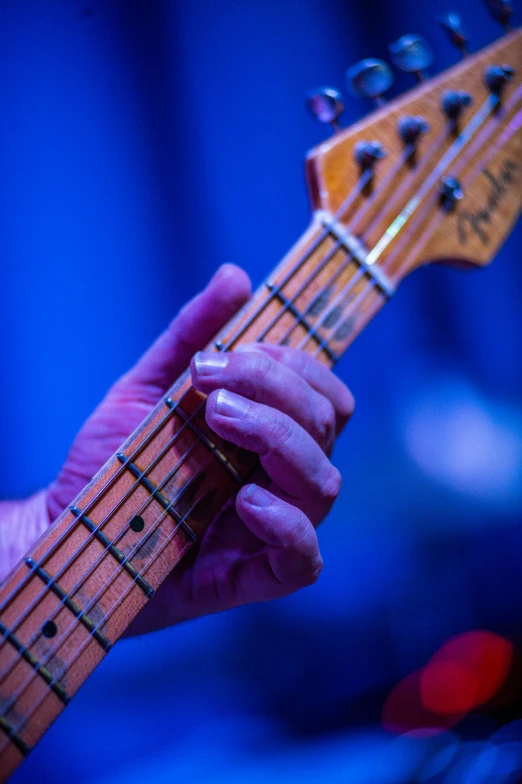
71	593
197	442
372	287
316	352
144	472
112	577
341	296
73	626
480	117
153	558
361	183
364	180
509	106
358	188
408	151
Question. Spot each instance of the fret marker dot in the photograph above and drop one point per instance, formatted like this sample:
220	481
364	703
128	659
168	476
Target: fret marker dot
137	524
49	629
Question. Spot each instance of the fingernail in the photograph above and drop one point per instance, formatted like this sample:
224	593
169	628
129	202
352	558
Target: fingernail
256	496
206	364
231	405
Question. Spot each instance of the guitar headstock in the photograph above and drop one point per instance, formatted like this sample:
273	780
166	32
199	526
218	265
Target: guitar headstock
434	175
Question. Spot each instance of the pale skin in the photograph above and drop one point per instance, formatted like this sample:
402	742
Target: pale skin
273	400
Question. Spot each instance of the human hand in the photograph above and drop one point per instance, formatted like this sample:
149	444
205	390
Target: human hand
288	409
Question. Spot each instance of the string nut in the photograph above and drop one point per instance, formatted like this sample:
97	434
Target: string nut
501	11
411	54
370	79
452	26
411	129
453	102
450	193
326	105
368	153
497	76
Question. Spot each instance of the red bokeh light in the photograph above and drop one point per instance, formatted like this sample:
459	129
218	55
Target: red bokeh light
404	711
462	675
466	672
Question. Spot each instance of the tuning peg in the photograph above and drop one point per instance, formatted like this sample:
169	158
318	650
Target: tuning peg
370	79
453	102
452	26
411	129
326	105
450	193
368	153
497	76
501	11
412	54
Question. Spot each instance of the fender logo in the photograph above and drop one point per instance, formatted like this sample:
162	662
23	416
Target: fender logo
473	222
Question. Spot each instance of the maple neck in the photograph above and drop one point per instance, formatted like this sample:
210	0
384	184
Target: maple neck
75	593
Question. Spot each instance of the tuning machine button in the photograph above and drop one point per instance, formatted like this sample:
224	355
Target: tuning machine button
411	129
453	103
326	105
497	76
450	193
370	79
501	11
411	54
368	153
452	26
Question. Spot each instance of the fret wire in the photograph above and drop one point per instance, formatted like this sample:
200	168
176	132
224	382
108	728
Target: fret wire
469	135
368	289
13	736
63	569
116	604
116	571
101	591
300	261
167	508
372	286
31	659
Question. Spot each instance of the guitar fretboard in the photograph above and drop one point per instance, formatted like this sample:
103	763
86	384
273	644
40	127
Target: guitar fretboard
76	592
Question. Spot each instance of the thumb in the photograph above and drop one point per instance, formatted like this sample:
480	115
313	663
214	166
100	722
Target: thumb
195	325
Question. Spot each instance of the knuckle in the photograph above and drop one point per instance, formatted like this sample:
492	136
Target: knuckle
260	367
346	403
326	421
280	431
332	485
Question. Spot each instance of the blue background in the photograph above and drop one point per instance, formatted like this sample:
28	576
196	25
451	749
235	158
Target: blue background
142	144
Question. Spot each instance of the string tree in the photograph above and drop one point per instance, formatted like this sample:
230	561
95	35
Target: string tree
450	193
411	54
370	78
501	11
452	25
326	105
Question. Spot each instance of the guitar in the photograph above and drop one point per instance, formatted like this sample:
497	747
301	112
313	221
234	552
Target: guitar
448	189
